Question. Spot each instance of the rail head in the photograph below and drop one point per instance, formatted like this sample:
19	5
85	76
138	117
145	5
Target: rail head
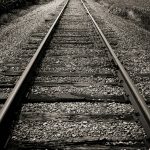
136	99
18	91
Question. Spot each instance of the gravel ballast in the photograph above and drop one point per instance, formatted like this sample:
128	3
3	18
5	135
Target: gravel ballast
74	122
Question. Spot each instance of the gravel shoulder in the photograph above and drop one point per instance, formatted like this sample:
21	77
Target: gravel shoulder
18	31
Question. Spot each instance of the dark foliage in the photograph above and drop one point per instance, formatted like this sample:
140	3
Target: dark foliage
7	5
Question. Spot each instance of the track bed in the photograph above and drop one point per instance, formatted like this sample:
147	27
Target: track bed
76	100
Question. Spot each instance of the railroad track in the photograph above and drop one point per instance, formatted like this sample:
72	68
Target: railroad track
74	93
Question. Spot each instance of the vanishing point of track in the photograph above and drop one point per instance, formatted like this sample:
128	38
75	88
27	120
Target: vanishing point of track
73	40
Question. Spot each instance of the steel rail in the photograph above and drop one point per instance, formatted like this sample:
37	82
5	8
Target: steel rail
18	92
136	99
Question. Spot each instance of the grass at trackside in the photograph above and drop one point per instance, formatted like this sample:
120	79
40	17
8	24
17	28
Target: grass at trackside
130	3
135	10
